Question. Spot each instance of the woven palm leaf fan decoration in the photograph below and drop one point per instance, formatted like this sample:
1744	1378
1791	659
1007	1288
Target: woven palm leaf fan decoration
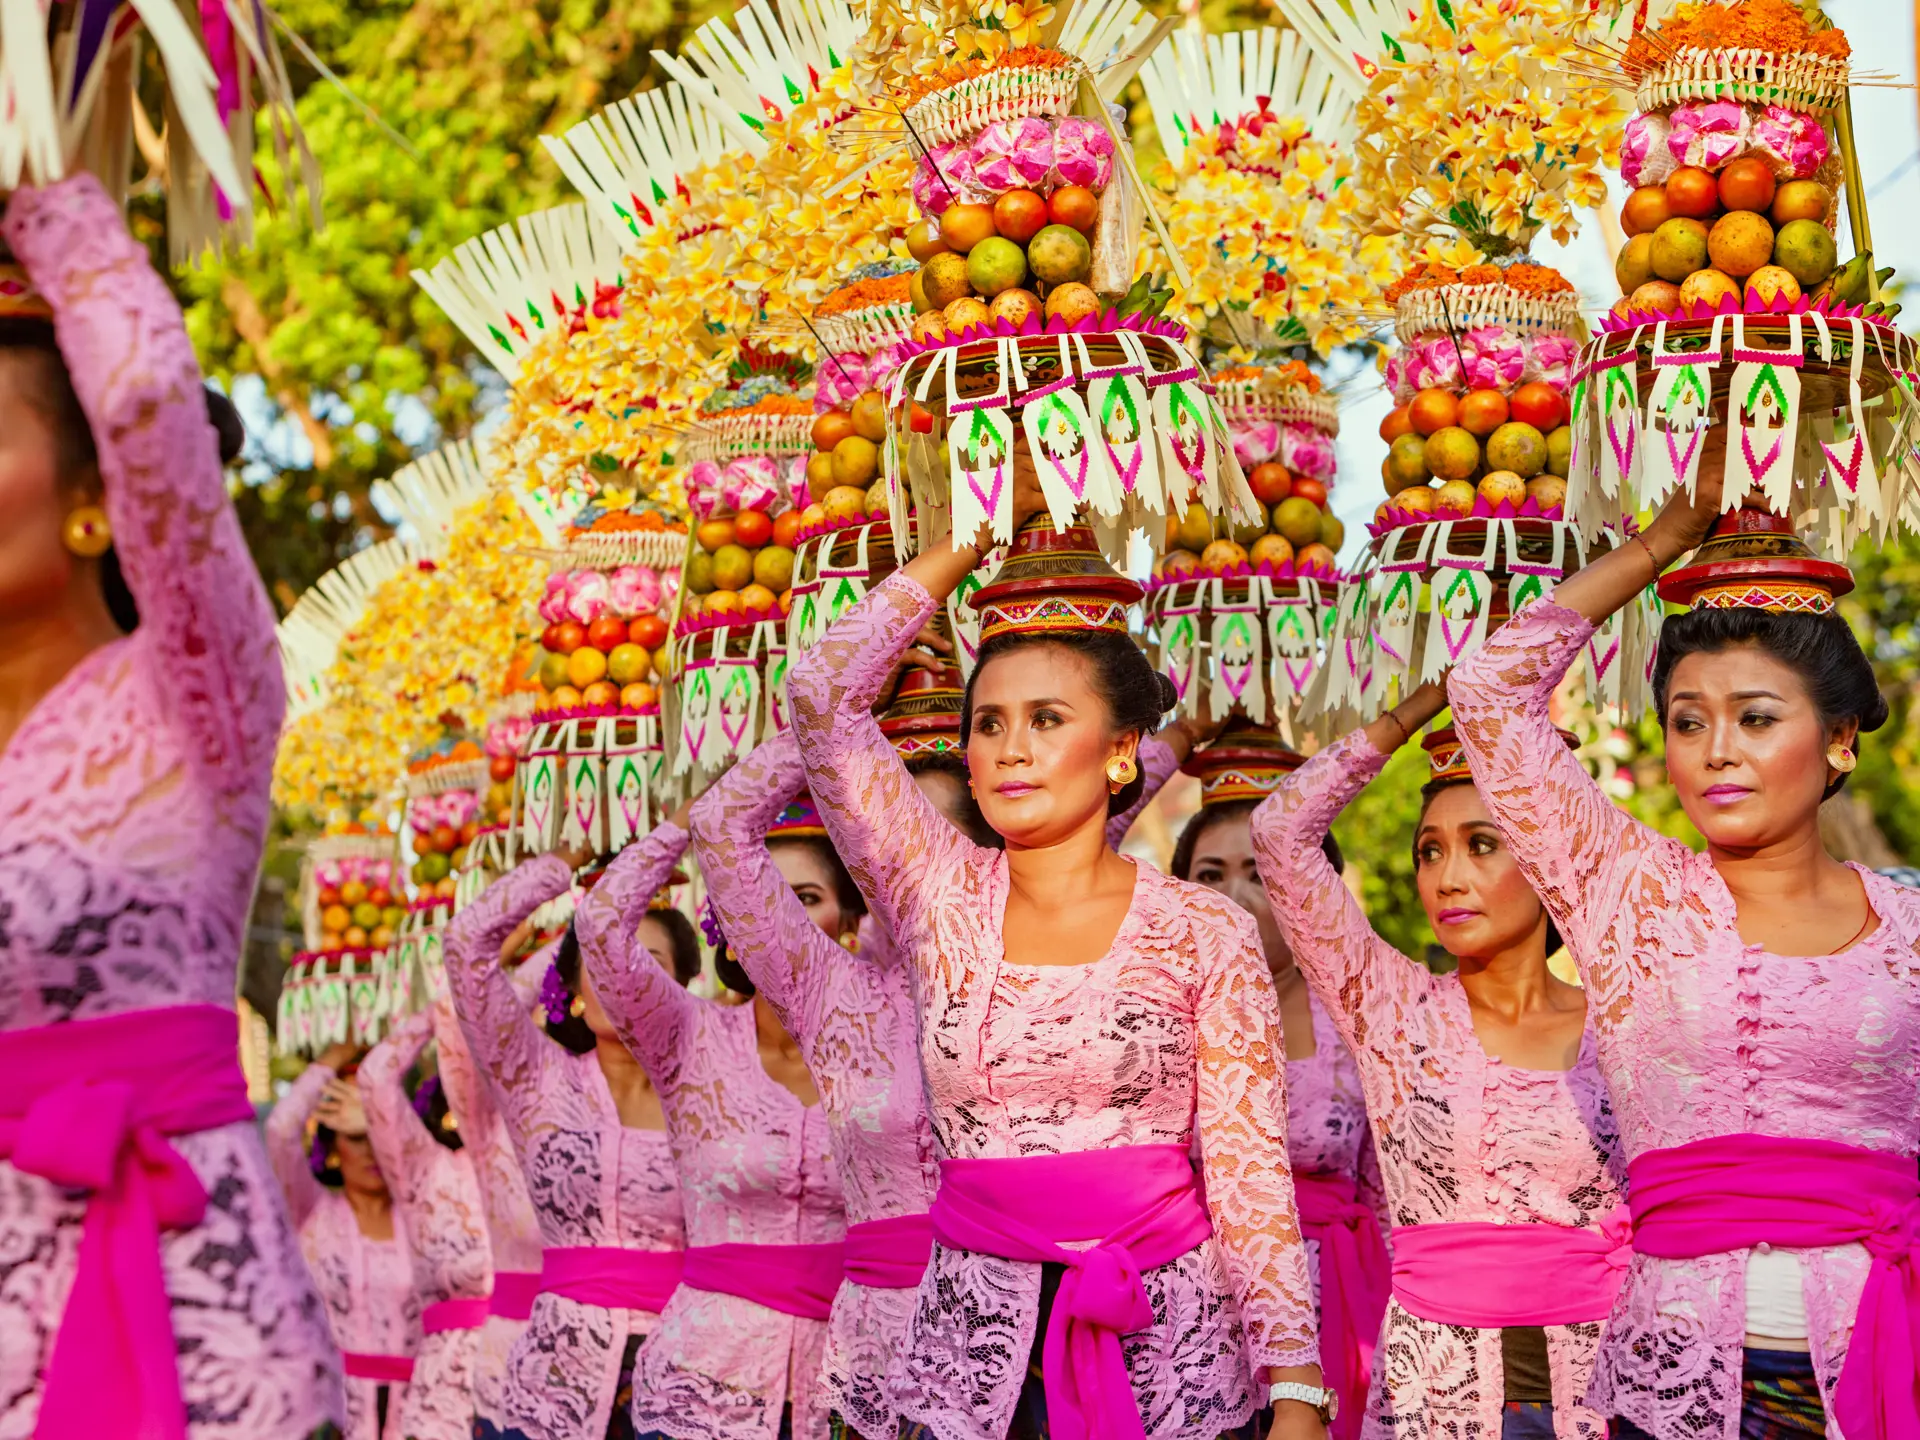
631	159
1201	81
428	493
508	289
753	67
68	101
310	635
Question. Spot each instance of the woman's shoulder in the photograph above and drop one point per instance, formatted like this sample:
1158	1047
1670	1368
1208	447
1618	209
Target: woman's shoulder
1194	912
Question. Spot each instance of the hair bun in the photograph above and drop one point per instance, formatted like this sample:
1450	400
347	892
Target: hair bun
1874	713
224	418
1169	693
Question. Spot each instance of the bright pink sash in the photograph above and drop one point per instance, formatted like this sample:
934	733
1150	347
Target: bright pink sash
889	1254
1737	1191
90	1105
387	1369
793	1279
1355	1279
513	1292
444	1315
611	1277
1491	1276
1142	1203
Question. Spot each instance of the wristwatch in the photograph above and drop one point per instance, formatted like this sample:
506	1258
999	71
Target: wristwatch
1326	1401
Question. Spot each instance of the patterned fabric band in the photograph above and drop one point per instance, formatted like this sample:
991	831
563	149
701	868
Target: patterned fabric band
1245	782
611	1276
1448	762
889	1254
18	299
910	746
1782	597
1041	614
800	820
513	1292
386	1369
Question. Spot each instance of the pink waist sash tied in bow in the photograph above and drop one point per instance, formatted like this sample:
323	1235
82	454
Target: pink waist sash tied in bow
1737	1191
513	1292
383	1369
611	1277
444	1315
796	1280
90	1105
1355	1279
889	1254
1476	1273
1141	1203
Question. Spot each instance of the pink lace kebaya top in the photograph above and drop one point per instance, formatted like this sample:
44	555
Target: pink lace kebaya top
755	1168
1701	1035
133	806
592	1181
1460	1136
366	1285
512	1229
437	1200
854	1020
1327	1130
1176	1031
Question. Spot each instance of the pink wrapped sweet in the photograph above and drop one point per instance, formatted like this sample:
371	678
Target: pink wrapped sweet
1433	363
1255	443
1395	375
624	590
457	807
1793	144
1550	357
1644	157
752	483
504	735
796	481
1082	153
944	177
1495	357
587	594
840	381
1012	155
703	489
1708	133
553	604
1305	451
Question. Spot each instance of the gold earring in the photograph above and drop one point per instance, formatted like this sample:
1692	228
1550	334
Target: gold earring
577	1007
850	941
1841	758
1120	773
87	532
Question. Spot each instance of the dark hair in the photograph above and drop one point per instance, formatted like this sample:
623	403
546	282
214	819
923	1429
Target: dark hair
686	945
572	1033
973	824
730	972
322	1160
76	453
1820	649
430	1103
1205	819
1427	793
1137	696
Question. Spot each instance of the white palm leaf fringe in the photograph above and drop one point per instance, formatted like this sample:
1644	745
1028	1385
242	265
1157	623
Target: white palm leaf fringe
1202	81
1114	37
760	66
327	613
509	288
629	159
1354	35
67	101
428	493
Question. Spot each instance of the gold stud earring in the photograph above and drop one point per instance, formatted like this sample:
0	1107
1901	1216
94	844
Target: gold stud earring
577	1006
1120	773
850	941
1841	758
87	532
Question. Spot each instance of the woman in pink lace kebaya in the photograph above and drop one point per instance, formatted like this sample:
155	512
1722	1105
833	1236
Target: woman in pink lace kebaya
1756	1005
353	1239
1082	1020
593	1145
1496	1145
134	776
438	1202
739	1349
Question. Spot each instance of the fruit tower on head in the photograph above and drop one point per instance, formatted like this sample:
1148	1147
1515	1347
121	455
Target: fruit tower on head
1034	332
590	764
445	785
1736	311
352	906
746	481
1472	141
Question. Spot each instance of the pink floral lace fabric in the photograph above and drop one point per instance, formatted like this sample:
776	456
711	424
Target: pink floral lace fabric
133	806
1174	1033
438	1200
1460	1136
854	1020
366	1285
513	1231
1700	1034
591	1181
755	1168
1327	1130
